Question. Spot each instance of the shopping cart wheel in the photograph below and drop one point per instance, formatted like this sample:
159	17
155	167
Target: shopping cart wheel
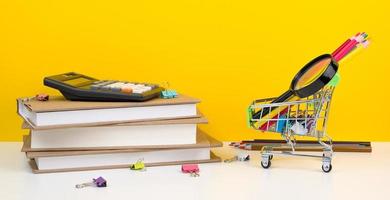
266	164
327	168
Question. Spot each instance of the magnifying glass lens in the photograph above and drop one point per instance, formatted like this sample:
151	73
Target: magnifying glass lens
313	73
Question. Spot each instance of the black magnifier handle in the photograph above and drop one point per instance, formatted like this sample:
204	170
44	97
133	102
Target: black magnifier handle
282	98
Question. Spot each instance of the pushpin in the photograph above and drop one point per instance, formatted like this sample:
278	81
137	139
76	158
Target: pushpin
192	169
98	182
139	165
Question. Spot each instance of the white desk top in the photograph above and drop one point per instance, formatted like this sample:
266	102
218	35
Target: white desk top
354	176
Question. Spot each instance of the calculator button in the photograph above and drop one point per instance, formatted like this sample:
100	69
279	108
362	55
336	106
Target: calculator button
116	86
127	89
106	85
147	88
153	86
137	91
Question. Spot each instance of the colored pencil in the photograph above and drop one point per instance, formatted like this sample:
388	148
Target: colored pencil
343	45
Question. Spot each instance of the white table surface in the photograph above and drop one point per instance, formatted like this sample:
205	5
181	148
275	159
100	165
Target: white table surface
354	176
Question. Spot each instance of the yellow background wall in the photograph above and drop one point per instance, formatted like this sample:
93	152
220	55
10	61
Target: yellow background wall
225	52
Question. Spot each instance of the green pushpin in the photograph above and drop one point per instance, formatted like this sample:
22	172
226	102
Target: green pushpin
249	114
335	80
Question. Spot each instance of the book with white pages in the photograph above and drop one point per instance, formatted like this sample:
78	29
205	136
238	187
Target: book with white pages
61	112
78	160
135	134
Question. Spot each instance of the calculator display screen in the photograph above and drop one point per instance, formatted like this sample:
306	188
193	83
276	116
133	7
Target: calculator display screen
77	81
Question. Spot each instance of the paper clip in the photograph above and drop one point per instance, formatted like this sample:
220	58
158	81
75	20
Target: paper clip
42	97
167	93
240	157
98	182
192	169
138	166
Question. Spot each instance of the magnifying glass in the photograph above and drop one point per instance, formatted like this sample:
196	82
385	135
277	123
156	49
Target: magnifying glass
309	80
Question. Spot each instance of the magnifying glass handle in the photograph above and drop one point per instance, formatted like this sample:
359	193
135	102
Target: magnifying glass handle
282	98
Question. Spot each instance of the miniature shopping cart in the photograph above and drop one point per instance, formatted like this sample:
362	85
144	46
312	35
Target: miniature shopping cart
304	117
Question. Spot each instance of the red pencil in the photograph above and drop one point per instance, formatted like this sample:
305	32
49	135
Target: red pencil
343	45
345	50
352	44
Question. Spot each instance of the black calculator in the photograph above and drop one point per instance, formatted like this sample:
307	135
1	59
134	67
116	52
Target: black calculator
79	87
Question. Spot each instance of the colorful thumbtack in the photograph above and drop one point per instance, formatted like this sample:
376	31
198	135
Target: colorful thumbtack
139	165
192	169
98	182
42	97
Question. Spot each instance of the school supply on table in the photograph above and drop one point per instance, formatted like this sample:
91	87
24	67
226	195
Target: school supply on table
313	108
80	87
121	136
303	109
61	112
241	156
98	182
139	165
309	80
192	169
304	145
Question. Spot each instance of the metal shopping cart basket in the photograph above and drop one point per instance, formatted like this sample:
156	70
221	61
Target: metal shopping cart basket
304	117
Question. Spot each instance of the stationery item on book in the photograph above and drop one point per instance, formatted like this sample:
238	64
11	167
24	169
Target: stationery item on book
168	94
98	182
59	111
192	169
80	87
135	134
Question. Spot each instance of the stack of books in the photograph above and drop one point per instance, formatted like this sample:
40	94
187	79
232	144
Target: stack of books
75	135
